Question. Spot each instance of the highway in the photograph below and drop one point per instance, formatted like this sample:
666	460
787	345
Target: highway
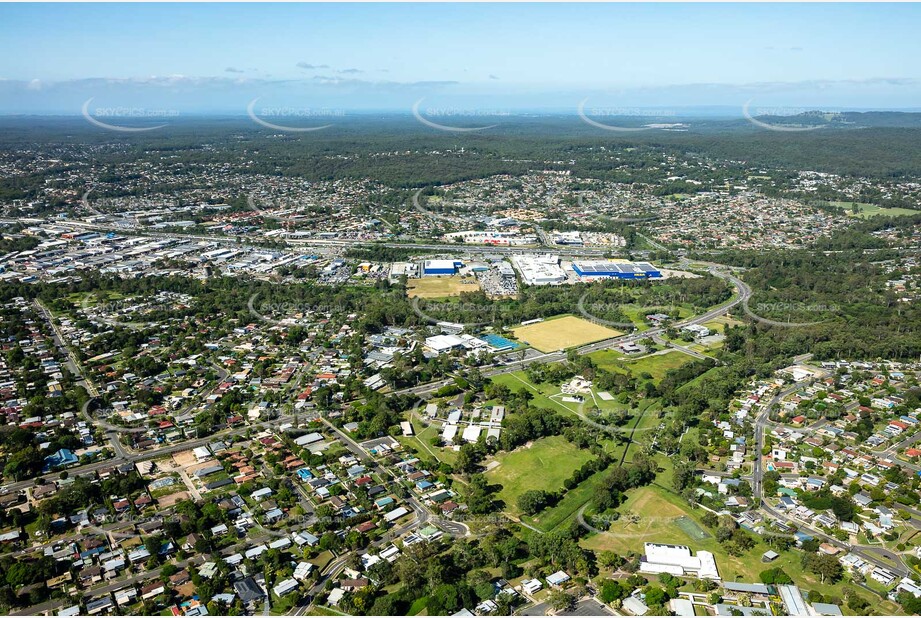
742	294
454	248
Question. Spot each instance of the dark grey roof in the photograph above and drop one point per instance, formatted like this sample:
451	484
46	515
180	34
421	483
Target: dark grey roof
248	590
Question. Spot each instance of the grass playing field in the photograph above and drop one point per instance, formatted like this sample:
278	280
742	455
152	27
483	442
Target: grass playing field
562	333
718	323
440	287
871	210
654	364
543	465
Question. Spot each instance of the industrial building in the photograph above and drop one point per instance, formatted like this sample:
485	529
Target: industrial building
615	270
441	267
540	269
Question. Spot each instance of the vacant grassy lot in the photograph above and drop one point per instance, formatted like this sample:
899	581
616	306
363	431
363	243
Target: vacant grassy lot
638	313
550	396
654	364
564	510
563	333
545	464
717	323
440	287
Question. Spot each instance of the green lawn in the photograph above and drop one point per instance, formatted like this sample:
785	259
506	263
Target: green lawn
562	512
717	324
422	442
322	559
871	210
418	606
638	313
518	381
654	364
319	610
543	465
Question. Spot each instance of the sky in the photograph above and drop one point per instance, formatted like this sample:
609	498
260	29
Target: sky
459	59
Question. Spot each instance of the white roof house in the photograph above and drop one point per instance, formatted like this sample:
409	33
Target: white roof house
531	585
634	606
444	343
309	438
395	514
449	433
302	570
558	578
284	587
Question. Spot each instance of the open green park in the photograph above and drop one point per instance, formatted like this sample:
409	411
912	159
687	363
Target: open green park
541	464
865	211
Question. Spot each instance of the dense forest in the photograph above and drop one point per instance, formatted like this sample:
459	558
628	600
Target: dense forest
418	156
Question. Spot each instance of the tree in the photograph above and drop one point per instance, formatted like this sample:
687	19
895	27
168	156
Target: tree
825	566
610	559
469	457
655	596
533	501
560	601
710	520
775	576
612	590
480	496
683	475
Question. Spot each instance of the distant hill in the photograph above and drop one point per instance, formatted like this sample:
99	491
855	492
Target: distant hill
846	120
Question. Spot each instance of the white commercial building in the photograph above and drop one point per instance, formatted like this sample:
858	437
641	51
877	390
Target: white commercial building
540	269
444	343
678	560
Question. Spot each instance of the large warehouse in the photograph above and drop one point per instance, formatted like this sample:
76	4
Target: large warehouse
540	269
441	267
615	270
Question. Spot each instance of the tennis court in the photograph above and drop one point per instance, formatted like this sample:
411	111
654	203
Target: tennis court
690	528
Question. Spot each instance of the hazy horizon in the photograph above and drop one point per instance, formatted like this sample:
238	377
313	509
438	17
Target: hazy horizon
471	59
